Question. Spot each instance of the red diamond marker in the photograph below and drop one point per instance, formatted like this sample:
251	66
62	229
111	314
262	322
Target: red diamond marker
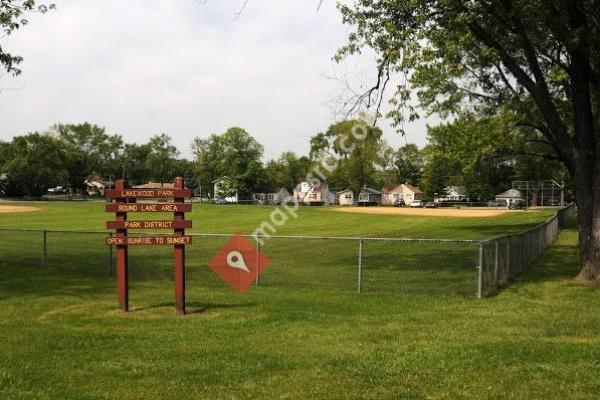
239	262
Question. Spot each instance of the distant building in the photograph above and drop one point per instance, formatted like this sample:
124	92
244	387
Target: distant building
280	196
510	196
96	185
155	185
319	194
453	193
396	191
369	196
345	198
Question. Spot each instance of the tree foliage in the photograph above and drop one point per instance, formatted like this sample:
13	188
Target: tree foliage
537	59
13	15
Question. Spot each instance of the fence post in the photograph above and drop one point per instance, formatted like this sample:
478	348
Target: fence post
480	272
360	261
45	250
496	262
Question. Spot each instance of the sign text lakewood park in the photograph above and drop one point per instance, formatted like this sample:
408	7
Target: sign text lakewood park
125	201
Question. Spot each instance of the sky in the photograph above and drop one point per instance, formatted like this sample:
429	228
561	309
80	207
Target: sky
188	68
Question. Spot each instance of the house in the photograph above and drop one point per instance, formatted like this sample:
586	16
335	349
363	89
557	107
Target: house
405	191
510	196
453	193
345	197
318	194
260	198
96	186
155	185
280	196
225	189
368	196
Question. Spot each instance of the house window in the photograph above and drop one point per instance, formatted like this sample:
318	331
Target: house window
363	197
348	196
312	196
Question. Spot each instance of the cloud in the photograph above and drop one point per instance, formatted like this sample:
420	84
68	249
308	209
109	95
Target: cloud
187	68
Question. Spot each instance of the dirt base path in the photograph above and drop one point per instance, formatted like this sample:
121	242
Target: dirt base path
425	212
16	209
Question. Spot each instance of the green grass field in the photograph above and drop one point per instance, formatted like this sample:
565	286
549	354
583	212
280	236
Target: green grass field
409	267
62	337
311	221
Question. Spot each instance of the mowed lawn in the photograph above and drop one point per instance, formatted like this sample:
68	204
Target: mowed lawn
61	336
310	221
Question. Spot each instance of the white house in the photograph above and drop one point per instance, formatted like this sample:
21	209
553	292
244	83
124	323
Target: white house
369	196
226	189
405	191
345	197
453	193
510	196
318	194
280	196
96	186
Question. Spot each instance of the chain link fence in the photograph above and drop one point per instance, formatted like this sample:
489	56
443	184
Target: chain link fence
439	267
503	258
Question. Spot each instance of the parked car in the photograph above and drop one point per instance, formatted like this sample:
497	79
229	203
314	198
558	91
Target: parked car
58	190
220	202
517	205
501	203
554	202
431	204
399	203
416	203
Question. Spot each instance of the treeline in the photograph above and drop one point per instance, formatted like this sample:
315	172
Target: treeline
484	156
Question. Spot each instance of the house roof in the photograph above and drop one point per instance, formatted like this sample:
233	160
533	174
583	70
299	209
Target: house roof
412	188
511	194
458	190
369	190
155	185
316	188
344	191
390	187
94	180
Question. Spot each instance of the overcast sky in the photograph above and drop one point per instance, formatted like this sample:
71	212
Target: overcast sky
184	67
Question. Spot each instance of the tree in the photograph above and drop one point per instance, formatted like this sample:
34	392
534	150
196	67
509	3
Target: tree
88	150
162	158
35	163
539	59
287	170
355	146
408	162
234	154
208	154
131	164
12	17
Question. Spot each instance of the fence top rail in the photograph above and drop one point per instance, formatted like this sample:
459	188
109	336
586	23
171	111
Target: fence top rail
548	221
355	238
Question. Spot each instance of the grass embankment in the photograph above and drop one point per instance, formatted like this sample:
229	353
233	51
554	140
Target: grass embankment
62	338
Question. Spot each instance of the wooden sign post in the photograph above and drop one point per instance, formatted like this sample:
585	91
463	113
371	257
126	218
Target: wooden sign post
126	201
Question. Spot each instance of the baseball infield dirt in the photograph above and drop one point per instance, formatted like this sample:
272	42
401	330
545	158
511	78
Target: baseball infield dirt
16	209
425	212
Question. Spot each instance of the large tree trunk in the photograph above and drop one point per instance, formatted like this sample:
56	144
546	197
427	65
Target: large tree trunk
588	202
